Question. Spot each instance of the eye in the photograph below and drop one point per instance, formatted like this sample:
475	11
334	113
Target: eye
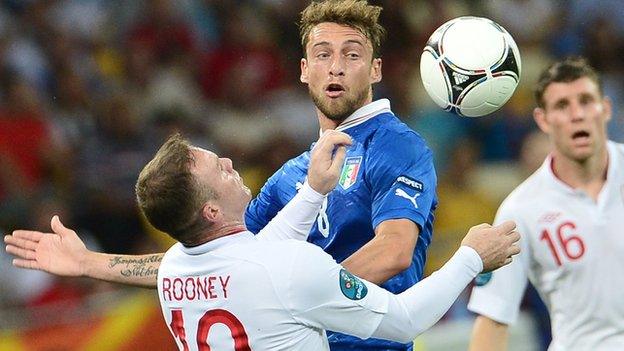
322	55
353	55
560	105
586	99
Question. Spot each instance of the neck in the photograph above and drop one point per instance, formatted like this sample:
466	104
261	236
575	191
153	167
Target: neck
224	229
327	123
588	175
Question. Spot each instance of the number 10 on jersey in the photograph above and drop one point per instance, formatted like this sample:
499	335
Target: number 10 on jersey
210	318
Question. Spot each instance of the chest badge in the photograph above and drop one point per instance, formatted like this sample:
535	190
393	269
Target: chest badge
350	171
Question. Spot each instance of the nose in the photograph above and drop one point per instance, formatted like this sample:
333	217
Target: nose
337	66
227	163
577	112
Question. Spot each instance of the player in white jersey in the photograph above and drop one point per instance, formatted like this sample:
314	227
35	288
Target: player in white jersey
570	213
223	288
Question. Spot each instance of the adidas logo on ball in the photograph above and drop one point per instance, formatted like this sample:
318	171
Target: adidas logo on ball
470	66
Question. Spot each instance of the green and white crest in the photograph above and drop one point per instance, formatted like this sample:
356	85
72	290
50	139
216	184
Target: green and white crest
350	171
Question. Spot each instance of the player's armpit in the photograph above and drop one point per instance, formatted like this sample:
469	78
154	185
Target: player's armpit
488	335
373	261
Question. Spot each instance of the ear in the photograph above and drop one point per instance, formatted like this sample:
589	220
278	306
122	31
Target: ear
304	71
607	106
376	71
211	212
539	115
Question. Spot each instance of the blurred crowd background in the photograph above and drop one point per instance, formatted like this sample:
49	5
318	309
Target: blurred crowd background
90	88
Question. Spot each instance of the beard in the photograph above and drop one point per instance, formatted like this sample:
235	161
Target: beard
339	109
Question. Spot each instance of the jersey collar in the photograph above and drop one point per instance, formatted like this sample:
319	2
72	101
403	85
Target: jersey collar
365	113
217	243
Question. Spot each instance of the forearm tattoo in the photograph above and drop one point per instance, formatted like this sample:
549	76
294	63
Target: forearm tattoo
144	267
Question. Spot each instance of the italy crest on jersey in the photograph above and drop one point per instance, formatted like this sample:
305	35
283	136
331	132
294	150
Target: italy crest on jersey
350	171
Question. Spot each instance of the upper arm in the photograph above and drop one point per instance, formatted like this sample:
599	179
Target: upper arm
488	335
401	235
322	294
402	178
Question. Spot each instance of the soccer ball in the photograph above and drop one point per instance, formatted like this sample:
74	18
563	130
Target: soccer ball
470	66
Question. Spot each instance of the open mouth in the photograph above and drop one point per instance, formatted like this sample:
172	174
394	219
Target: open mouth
581	137
334	90
580	134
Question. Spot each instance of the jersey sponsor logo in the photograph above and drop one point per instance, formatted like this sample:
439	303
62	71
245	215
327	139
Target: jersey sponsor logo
549	217
351	286
483	279
405	195
414	184
350	172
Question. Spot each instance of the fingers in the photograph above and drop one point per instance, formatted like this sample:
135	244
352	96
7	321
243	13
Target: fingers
57	226
514	236
514	249
506	226
17	241
330	139
21	252
26	235
28	264
338	160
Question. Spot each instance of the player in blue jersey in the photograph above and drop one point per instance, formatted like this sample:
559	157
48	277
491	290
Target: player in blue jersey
378	220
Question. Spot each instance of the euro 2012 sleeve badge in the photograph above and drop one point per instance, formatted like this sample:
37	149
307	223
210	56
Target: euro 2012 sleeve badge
351	286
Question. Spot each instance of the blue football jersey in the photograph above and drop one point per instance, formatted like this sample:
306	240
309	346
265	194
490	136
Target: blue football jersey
388	174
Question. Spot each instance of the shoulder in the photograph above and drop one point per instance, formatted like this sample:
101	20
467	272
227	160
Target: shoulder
393	129
394	135
618	148
524	197
297	163
172	258
290	170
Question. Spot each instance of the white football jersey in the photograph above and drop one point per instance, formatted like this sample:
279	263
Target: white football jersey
265	292
242	293
572	252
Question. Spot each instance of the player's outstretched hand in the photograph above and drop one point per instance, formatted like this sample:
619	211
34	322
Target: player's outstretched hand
326	160
495	244
61	252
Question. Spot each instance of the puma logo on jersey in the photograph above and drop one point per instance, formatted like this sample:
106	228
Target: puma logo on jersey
403	194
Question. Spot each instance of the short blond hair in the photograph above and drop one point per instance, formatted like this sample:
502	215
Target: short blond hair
357	14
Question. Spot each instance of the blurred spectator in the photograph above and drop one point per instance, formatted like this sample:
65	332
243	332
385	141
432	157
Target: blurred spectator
109	165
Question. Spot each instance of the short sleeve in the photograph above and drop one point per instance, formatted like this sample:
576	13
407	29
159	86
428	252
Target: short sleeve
497	295
402	177
322	294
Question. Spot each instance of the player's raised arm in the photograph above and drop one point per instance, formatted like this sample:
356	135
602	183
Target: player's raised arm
297	217
63	253
331	297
